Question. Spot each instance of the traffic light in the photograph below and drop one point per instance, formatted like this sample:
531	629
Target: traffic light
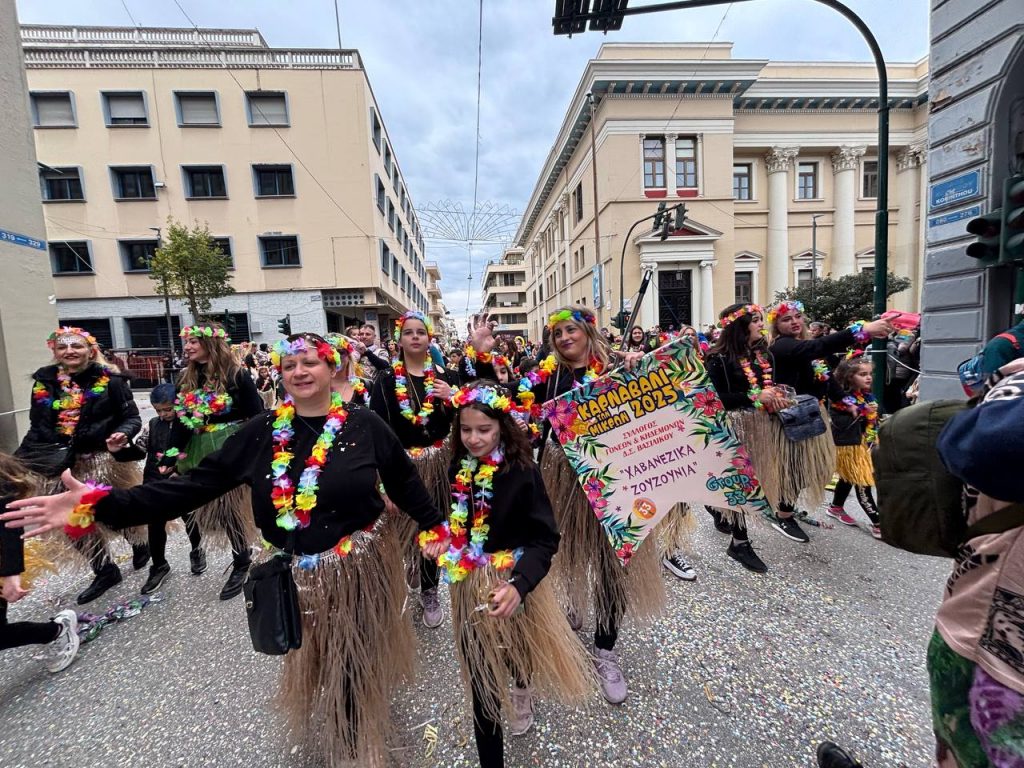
284	325
1011	245
662	220
987	227
619	321
680	217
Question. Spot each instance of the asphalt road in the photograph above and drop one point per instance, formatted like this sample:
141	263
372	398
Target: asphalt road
742	670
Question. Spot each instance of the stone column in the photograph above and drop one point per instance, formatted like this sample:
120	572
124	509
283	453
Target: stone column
845	162
778	163
707	295
906	248
649	309
670	164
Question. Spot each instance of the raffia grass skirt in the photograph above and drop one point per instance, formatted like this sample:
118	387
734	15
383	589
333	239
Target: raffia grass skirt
432	466
357	647
228	519
788	472
676	529
535	646
853	464
586	568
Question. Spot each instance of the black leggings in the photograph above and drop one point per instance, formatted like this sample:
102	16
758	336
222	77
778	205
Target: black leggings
490	739
25	632
158	538
738	526
428	573
865	498
97	552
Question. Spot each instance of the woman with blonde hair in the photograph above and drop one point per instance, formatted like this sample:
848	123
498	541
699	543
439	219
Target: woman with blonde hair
82	412
345	381
216	395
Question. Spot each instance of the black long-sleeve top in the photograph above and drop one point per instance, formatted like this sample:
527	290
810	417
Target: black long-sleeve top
384	403
100	417
152	443
12	549
730	381
521	516
347	499
794	357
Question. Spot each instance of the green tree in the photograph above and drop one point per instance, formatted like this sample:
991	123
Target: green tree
192	267
844	299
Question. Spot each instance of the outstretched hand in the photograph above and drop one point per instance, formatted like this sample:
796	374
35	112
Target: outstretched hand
435	549
481	333
42	514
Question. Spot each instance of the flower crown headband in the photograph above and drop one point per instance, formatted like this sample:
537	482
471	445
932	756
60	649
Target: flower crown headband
284	348
570	314
732	317
340	342
204	332
784	308
488	396
68	330
400	324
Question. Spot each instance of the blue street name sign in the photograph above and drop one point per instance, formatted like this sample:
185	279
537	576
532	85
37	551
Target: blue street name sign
949	218
959	189
25	240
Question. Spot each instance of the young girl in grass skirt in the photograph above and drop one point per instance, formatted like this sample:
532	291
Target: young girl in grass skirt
507	622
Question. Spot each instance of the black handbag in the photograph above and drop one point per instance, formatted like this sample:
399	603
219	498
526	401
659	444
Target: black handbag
272	606
802	420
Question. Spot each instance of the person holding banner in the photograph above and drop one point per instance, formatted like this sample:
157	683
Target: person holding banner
804	466
587	566
507	621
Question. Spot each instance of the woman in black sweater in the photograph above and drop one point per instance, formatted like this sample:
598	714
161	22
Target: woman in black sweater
413	397
82	411
809	464
215	397
357	644
503	536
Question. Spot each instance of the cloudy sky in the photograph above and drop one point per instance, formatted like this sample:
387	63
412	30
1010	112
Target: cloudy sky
421	58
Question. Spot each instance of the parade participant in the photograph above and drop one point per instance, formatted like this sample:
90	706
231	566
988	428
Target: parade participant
215	397
507	622
587	565
414	399
154	445
313	467
265	386
83	410
346	382
503	369
808	464
854	430
740	367
638	341
61	633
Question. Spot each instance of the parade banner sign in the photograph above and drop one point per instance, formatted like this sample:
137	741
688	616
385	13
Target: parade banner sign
642	440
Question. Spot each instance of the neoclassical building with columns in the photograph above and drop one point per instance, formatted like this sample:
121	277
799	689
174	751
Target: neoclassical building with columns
776	163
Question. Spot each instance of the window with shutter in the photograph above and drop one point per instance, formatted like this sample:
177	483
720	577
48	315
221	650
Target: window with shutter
126	109
198	109
267	108
53	110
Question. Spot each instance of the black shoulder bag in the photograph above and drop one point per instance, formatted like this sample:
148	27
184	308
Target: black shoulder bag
272	604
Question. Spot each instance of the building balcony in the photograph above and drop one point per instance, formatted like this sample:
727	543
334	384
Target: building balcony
188	58
65	36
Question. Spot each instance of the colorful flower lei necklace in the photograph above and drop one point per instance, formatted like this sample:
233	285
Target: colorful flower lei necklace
293	509
866	408
466	553
543	372
821	371
766	382
194	408
402	392
69	404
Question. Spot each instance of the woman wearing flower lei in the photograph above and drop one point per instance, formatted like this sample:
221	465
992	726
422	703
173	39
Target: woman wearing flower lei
82	412
414	399
215	397
313	467
586	568
507	621
806	466
854	431
346	381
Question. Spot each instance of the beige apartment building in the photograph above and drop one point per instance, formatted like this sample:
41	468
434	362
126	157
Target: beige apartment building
757	150
282	152
505	293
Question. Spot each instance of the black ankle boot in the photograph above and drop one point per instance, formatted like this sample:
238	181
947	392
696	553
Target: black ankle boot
109	576
233	586
140	556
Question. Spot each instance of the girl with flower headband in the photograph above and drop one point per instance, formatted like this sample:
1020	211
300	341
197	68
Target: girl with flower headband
346	382
854	430
82	412
313	467
807	466
587	568
507	622
413	397
215	397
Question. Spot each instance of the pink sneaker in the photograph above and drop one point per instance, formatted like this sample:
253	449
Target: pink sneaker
840	514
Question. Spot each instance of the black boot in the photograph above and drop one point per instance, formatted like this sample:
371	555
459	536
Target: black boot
109	575
197	558
233	586
157	574
831	755
140	556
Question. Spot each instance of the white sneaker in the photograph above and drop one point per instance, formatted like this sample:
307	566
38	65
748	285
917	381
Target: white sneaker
521	720
676	565
65	647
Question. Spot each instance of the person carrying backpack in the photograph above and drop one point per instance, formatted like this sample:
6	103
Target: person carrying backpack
976	655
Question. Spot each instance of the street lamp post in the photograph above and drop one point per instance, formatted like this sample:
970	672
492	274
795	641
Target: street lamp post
814	253
571	17
622	259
